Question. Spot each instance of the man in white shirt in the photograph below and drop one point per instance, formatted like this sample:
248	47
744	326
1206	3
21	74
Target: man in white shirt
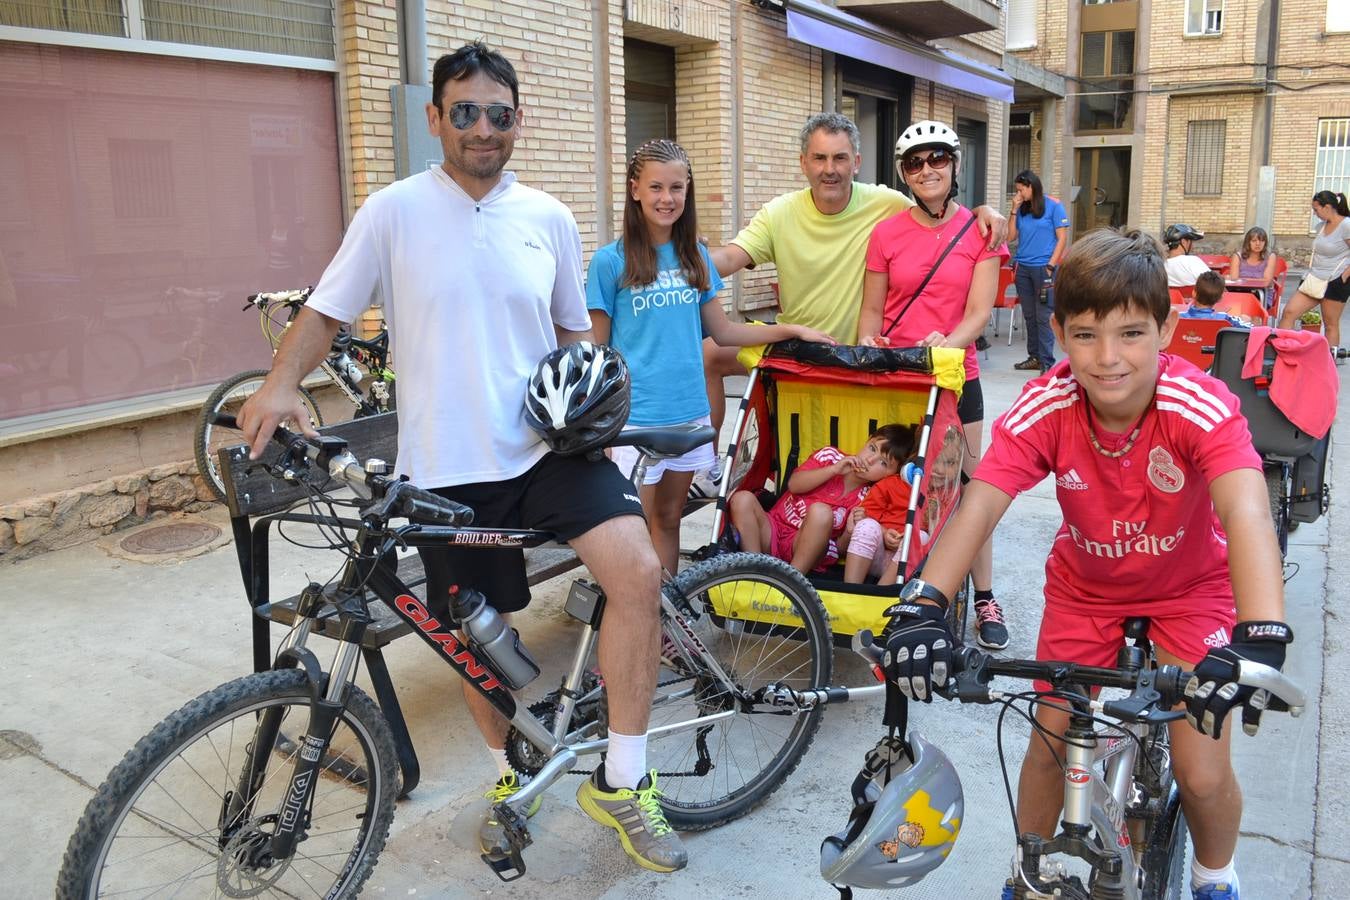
481	277
1182	268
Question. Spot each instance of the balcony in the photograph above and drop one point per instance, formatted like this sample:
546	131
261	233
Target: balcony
927	19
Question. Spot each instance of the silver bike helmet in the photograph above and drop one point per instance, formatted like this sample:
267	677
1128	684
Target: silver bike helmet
578	397
907	811
921	136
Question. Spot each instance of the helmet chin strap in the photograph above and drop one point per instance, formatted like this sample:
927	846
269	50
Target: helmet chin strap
934	215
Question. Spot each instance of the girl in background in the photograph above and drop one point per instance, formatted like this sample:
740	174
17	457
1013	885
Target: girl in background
651	295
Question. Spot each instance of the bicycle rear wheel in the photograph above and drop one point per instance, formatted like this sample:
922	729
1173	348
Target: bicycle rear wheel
1277	486
169	820
228	396
758	621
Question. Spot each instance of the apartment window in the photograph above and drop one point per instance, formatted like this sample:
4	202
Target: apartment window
648	92
1019	145
1206	16
1338	15
1105	99
1332	171
1204	157
1021	25
84	16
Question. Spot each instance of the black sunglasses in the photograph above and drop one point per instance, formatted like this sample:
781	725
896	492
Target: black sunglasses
500	116
937	159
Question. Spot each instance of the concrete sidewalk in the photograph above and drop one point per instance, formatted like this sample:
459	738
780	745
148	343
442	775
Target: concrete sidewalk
102	648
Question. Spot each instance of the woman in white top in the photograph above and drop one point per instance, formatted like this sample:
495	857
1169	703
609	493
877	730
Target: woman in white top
1329	270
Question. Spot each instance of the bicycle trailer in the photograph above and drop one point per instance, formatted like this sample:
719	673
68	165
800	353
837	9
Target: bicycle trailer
802	396
1276	438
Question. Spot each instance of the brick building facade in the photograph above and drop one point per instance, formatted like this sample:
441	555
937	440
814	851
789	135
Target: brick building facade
233	169
1228	114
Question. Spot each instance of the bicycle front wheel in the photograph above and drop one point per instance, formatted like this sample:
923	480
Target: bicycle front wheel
744	621
228	396
171	821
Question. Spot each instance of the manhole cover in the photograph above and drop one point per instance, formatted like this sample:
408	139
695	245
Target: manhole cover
172	538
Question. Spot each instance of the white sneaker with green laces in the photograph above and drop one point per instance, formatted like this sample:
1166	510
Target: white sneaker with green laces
637	816
491	834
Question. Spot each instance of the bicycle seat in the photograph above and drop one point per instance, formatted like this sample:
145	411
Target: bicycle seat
665	441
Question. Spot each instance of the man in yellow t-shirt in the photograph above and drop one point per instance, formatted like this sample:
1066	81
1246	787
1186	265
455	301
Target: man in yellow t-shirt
817	237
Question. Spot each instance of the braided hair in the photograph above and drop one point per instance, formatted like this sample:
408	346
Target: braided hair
639	254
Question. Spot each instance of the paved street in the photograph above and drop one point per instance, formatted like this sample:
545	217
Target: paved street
102	648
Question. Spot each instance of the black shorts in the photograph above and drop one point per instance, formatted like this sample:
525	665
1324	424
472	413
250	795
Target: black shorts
1338	289
971	406
567	495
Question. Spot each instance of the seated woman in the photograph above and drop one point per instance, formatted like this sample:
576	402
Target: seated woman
1254	261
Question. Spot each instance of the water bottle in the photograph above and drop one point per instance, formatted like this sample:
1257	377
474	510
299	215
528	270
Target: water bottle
496	644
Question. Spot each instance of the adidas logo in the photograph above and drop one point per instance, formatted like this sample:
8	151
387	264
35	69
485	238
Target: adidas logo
1218	639
1070	481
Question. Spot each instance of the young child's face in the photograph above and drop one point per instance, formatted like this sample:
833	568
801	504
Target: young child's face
947	467
659	189
877	461
1115	359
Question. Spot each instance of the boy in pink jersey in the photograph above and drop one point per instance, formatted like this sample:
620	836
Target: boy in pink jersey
1156	478
812	522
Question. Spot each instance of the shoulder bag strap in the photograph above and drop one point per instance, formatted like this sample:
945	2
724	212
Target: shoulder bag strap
931	272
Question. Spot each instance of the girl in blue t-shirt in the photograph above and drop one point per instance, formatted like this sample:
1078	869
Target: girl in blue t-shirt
650	295
1040	226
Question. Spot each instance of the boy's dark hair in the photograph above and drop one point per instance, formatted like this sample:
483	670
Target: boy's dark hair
1208	289
1110	269
899	441
469	60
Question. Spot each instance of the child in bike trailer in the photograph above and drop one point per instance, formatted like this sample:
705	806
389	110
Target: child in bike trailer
811	524
939	501
651	294
879	521
1157	479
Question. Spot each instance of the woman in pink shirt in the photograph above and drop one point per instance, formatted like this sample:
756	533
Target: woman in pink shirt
930	282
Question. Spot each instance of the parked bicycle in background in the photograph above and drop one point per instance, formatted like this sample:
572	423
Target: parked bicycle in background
359	368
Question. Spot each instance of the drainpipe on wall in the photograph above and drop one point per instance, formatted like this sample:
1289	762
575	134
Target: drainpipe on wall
412	41
1263	213
1167	158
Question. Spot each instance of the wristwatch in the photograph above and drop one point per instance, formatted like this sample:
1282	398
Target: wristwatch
916	589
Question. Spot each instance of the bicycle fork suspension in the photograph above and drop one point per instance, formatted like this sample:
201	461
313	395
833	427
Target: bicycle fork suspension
292	821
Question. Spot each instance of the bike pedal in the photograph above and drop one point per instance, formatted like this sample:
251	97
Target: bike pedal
507	867
509	864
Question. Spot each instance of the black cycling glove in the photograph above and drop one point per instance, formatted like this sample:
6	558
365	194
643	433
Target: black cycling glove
918	649
1213	690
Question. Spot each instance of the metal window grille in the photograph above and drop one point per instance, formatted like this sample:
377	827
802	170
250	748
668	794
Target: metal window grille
1332	171
141	178
1204	157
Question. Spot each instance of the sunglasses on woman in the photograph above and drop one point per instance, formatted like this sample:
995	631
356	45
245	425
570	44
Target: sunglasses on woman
501	116
937	159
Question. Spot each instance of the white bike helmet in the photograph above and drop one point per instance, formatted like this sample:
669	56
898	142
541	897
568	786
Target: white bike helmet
921	136
907	812
578	397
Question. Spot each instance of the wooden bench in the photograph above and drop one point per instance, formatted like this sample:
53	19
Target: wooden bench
257	500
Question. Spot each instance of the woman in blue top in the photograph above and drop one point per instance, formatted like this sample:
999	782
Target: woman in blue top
1040	226
650	295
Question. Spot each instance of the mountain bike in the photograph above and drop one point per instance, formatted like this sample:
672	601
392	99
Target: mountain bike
1122	813
350	362
283	782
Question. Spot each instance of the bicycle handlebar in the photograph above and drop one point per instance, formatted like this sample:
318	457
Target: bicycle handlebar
395	497
1153	691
